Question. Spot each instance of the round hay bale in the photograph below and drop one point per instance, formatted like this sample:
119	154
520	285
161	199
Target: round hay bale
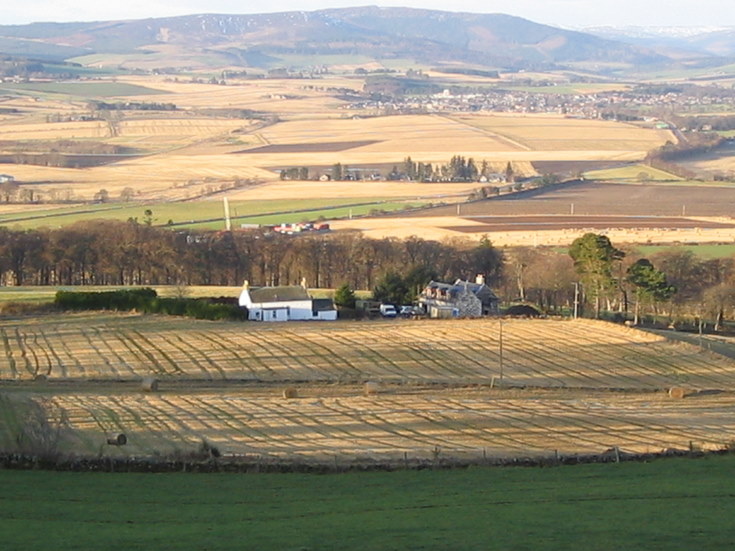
372	388
40	378
677	392
290	393
149	384
119	440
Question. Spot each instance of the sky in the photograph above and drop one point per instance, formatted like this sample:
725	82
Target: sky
563	13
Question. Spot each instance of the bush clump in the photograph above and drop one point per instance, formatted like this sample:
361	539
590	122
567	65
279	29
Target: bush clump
120	300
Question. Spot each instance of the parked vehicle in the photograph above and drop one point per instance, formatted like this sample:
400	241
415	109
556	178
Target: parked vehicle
388	311
407	311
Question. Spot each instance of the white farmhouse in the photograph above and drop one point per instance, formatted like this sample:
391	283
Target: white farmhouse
285	303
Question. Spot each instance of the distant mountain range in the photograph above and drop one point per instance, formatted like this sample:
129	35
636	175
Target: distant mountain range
351	36
717	41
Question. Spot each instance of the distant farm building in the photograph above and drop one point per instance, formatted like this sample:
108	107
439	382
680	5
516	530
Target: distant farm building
285	303
461	299
5	178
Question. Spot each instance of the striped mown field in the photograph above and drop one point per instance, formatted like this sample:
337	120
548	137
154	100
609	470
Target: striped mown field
567	387
420	422
538	353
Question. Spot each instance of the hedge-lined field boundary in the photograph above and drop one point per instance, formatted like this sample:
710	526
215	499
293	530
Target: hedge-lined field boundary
146	300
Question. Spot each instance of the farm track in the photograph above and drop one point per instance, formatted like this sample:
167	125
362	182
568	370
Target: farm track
569	387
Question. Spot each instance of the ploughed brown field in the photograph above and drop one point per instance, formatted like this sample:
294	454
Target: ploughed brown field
436	389
605	199
556	215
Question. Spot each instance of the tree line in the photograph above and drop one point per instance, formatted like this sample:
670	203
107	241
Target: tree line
458	169
133	253
671	284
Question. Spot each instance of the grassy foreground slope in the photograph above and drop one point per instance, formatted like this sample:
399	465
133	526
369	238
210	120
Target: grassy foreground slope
669	504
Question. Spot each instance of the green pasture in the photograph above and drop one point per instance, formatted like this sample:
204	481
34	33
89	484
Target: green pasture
84	89
311	215
208	214
680	504
705	251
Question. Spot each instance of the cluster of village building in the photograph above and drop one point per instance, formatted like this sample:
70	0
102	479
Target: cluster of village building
592	105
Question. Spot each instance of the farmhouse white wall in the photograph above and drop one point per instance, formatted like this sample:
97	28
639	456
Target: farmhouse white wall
293	310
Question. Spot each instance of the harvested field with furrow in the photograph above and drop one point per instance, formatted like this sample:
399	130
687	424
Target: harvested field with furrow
423	423
537	353
361	392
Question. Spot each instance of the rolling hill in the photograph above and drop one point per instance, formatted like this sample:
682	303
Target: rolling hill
273	40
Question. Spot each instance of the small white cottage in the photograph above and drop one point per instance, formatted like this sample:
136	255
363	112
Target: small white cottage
285	303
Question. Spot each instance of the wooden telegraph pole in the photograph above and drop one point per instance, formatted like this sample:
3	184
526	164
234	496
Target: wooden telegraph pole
501	348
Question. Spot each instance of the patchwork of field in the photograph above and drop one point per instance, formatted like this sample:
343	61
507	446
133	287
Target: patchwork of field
189	146
567	386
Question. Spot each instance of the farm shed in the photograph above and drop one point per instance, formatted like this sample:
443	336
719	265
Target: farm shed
5	178
463	299
285	303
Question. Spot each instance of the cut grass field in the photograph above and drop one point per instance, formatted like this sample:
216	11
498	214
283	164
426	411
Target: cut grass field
680	504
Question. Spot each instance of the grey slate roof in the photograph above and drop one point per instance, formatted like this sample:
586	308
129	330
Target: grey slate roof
279	294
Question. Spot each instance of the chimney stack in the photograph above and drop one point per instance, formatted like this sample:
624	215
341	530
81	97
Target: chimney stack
480	279
246	284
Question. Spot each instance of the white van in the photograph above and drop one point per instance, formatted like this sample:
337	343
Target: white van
388	311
